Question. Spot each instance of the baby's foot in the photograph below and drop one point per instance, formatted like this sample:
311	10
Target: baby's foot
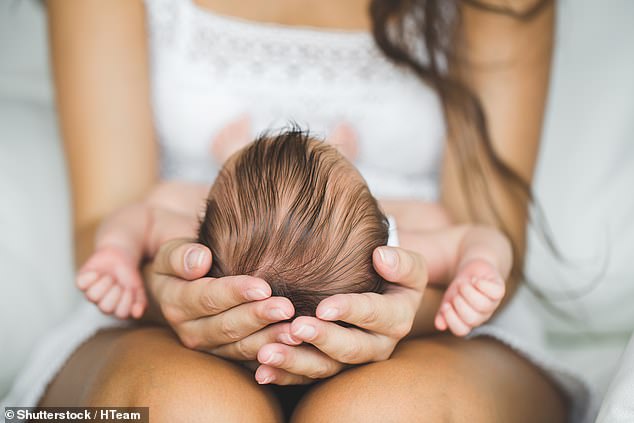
111	279
471	298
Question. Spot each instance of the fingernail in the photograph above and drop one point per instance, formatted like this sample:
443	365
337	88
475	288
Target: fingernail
278	314
255	294
287	339
388	256
274	358
330	314
86	278
266	380
194	258
305	331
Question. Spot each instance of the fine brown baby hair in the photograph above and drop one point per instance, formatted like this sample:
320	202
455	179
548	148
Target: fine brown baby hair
291	210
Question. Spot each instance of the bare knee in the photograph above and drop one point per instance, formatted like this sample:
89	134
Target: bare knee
430	380
393	390
150	369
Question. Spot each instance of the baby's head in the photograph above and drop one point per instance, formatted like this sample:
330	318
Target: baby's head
291	210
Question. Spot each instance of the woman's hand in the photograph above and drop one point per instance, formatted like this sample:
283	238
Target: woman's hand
230	316
382	320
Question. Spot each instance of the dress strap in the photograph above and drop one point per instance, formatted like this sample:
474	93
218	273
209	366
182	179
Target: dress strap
167	22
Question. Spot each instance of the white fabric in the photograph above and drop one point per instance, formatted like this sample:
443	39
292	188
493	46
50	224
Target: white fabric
519	326
618	406
392	240
36	289
53	351
209	70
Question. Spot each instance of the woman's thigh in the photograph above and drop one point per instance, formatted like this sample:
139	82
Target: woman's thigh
439	379
148	367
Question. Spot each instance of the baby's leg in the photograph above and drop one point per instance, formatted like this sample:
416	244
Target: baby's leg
471	298
110	278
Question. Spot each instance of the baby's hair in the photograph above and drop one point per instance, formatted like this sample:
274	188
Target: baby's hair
291	210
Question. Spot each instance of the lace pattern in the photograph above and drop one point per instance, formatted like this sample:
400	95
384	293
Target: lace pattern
209	70
237	48
163	19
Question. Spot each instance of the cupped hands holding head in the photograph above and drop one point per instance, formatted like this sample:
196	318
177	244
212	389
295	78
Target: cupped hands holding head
235	317
292	234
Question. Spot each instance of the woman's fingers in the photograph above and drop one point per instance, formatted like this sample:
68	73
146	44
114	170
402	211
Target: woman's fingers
390	314
234	324
402	267
183	259
346	345
207	313
204	297
247	348
302	360
382	313
271	375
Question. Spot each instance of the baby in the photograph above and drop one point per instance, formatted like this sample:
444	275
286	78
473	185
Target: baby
291	210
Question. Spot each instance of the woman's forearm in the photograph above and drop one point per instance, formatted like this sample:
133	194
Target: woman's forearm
103	106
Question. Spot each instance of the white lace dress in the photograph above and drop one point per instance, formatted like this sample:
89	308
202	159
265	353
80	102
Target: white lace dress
218	81
212	75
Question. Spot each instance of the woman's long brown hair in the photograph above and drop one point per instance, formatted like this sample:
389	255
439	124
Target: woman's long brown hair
399	26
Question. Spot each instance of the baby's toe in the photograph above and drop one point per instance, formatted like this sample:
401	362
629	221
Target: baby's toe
455	324
493	290
99	288
137	310
466	313
110	300
122	311
439	322
139	304
475	298
86	279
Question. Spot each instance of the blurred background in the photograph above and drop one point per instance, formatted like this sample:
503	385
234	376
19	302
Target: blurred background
36	289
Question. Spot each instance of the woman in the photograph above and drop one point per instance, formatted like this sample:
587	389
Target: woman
200	67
